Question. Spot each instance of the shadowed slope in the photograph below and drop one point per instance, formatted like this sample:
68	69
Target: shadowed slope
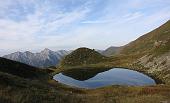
20	69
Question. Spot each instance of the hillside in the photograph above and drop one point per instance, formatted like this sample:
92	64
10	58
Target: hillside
158	39
83	56
151	53
111	51
42	59
21	70
21	83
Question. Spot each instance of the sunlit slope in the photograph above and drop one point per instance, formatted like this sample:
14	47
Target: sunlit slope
157	40
83	56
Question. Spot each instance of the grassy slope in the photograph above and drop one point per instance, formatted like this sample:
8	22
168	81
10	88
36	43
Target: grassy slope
21	83
145	43
82	56
152	47
22	91
111	51
21	70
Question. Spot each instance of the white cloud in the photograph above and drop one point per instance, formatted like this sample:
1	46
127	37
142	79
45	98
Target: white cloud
117	24
23	34
98	21
133	16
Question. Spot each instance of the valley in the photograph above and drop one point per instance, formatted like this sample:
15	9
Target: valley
149	54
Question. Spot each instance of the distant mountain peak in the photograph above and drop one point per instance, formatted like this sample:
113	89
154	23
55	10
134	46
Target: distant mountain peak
44	58
46	50
28	52
17	53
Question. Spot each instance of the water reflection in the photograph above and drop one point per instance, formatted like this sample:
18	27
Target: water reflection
94	78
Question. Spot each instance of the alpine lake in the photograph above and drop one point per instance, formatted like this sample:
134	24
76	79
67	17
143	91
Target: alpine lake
96	78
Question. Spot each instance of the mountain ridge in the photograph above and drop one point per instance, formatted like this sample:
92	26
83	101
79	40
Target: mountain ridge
44	58
149	40
110	51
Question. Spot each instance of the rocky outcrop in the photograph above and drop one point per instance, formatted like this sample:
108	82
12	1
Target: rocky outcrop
157	65
150	53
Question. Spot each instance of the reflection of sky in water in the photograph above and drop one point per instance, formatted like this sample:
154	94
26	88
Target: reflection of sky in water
115	76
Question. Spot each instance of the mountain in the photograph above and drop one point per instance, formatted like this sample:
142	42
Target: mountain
21	83
82	56
151	52
42	59
111	51
99	51
157	39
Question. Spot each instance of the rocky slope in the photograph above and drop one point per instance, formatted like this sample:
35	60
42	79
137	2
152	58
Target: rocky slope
152	52
42	59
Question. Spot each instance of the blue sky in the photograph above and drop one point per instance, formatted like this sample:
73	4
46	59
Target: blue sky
69	24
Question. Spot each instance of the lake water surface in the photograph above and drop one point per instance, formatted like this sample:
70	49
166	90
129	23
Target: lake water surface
89	78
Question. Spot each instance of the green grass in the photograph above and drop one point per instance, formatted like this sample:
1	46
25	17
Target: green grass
146	43
83	56
21	70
